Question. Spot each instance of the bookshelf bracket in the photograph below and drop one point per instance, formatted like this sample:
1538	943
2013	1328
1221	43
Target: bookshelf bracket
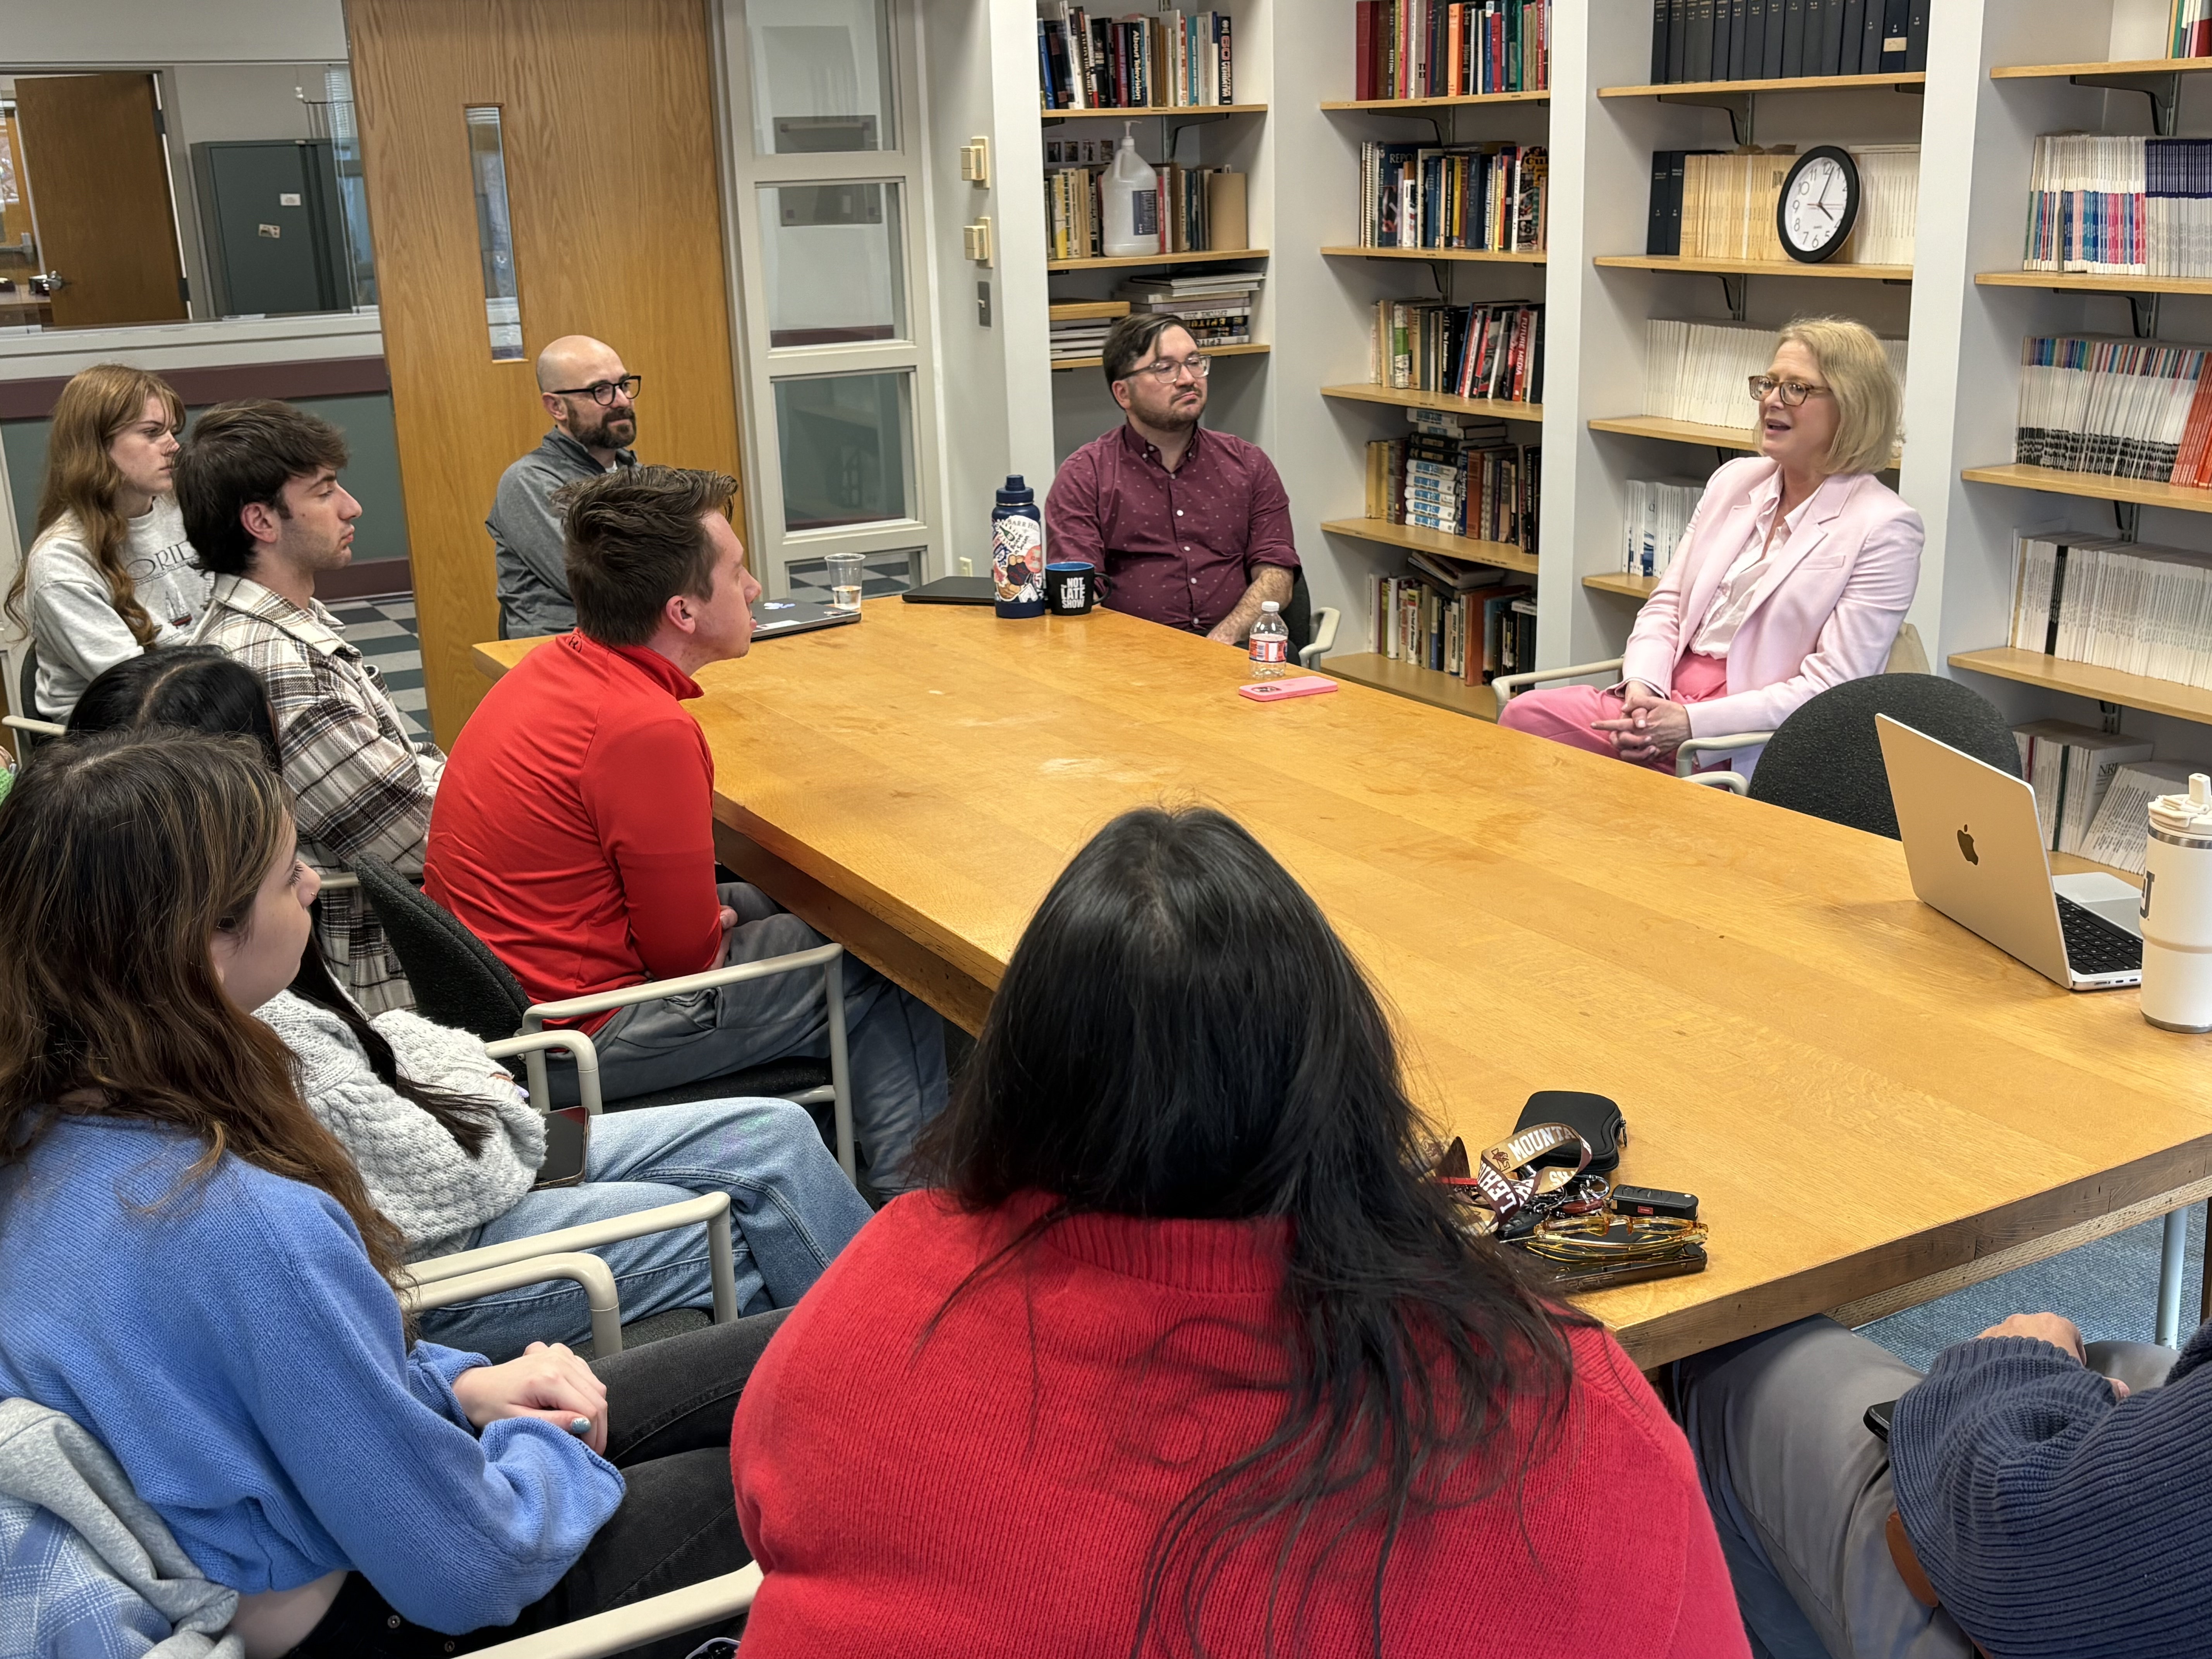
2164	92
1741	106
1735	287
2142	314
2128	517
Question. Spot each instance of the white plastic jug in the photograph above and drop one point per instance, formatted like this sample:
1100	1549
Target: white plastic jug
2177	910
1131	194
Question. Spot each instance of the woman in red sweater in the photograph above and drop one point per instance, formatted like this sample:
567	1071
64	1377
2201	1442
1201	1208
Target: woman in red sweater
1185	1357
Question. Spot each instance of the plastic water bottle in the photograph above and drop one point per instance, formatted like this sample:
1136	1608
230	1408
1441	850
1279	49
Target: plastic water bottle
2177	910
1130	200
1270	643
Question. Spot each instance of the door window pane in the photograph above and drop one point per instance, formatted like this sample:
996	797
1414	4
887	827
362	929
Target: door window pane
495	232
833	262
847	448
822	76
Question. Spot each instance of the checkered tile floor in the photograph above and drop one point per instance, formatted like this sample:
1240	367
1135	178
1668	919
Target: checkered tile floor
887	573
384	628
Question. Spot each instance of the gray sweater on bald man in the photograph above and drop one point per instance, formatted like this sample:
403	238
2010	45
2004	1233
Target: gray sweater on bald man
527	538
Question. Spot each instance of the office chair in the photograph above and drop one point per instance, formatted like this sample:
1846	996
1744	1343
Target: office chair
1313	630
28	722
458	980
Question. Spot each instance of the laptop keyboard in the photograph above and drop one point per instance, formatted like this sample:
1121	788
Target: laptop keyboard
2094	945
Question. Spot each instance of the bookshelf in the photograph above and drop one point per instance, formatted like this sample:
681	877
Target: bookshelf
1151	112
2092	486
1138	261
2132	66
1679	432
1909	82
1634	587
2080	282
1254	350
1491	408
1504	555
1478	256
1463	101
2081	679
1834	269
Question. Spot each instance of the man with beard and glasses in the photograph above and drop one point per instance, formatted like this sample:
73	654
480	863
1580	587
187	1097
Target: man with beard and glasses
592	399
1190	527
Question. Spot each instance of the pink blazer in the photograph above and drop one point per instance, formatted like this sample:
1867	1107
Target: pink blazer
1827	609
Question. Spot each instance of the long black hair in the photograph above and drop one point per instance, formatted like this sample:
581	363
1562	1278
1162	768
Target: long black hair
197	688
1181	1034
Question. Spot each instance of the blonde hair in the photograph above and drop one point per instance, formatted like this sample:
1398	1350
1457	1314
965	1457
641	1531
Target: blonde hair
1869	404
95	408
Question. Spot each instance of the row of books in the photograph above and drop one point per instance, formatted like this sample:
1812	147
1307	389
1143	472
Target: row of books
2127	207
2094	789
1494	352
1172	59
2188	28
2123	605
1786	40
1715	204
1491	196
1477	632
1077	328
1449	48
1215	307
1658	513
1456	477
1701	371
1200	208
2117	407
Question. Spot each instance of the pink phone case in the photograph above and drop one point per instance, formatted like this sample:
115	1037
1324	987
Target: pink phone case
1306	685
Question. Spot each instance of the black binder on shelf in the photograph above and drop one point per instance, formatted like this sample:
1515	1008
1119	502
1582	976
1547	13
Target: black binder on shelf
1771	69
1678	37
1832	37
1816	24
1847	38
1661	10
1896	21
1754	39
1793	41
1869	58
1655	234
1915	48
1697	58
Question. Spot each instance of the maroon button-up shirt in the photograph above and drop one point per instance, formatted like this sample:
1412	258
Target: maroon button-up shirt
1178	547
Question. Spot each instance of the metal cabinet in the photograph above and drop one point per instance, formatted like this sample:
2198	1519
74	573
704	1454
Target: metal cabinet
272	227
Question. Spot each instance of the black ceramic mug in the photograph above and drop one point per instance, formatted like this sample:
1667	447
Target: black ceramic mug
1071	588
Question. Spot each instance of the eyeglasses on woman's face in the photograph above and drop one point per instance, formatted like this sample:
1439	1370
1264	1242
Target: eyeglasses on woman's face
1168	370
1793	393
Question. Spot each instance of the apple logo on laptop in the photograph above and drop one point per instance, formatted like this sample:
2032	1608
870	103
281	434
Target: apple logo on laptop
1966	846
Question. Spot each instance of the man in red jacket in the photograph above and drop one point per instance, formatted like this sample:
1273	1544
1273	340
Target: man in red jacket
573	832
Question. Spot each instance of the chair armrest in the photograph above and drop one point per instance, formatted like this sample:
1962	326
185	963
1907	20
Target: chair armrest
600	1002
1509	685
1692	747
579	1050
592	1275
617	1631
1324	639
36	728
1734	782
340	881
712	1208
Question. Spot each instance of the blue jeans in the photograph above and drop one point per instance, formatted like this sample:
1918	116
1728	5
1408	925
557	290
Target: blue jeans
791	1211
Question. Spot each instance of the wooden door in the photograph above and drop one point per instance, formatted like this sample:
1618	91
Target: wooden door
608	124
93	166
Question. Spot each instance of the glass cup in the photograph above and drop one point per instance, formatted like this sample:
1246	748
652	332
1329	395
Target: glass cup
845	576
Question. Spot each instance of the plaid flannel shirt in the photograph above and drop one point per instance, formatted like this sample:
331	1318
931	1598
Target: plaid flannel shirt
362	786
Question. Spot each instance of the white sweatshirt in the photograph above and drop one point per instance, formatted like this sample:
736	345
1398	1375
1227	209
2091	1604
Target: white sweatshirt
74	623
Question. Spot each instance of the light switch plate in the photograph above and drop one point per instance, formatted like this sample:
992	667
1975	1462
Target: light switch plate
975	161
975	241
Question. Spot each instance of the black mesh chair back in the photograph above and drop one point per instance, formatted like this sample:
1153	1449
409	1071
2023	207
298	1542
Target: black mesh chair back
456	978
1298	615
1826	759
26	701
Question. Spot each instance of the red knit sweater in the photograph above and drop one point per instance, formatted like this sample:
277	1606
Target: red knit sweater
996	1489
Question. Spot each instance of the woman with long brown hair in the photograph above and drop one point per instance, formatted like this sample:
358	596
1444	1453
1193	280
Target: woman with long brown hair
197	1277
110	572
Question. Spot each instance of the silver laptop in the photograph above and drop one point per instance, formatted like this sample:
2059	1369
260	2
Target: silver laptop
1976	852
773	618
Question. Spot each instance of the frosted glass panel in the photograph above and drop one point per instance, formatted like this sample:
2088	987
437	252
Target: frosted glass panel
835	268
846	444
822	76
495	232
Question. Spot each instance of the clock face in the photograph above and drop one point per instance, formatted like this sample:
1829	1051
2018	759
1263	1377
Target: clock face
1817	205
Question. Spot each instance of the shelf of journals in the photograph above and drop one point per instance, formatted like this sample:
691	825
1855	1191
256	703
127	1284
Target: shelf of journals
1619	581
1482	255
1690	432
1542	97
1915	81
2096	486
1753	267
2130	66
1059	363
1146	112
2087	282
1131	260
2082	679
1502	556
1496	409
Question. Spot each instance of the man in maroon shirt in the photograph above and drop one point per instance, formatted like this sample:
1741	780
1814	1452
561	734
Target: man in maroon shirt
575	833
1190	527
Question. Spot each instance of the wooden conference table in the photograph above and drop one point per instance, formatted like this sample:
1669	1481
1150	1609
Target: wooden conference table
1875	1106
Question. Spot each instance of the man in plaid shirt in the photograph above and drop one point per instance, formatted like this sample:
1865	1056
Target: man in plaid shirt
258	481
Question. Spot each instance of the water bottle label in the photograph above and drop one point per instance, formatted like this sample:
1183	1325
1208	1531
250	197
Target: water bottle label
1018	558
1266	648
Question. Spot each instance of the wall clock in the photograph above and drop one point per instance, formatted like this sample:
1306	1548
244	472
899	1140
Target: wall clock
1819	205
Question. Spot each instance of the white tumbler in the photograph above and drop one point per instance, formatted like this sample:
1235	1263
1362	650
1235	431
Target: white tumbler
2177	910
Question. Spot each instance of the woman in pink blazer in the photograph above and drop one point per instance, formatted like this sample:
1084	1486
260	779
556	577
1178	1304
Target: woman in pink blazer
1794	575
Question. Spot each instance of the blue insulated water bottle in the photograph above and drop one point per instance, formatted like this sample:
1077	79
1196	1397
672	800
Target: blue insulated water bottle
1017	551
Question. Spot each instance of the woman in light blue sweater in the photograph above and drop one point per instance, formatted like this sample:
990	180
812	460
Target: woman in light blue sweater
197	1276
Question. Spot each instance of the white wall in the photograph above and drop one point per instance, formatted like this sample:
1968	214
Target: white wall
88	33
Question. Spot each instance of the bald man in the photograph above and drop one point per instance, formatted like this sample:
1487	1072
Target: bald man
592	399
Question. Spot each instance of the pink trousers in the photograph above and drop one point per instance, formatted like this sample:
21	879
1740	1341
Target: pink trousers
1565	714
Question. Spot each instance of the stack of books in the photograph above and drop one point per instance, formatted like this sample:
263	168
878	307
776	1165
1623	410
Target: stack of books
1712	204
2071	769
1786	40
2117	407
1659	510
2188	28
1216	307
1491	196
1701	371
1169	60
1457	476
1454	617
1080	328
1449	48
2122	826
2120	206
1494	351
1200	209
2124	605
